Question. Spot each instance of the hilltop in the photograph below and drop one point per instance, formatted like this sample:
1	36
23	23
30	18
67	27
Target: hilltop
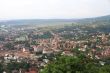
96	20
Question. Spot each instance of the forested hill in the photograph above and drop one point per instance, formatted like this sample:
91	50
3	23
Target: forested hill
97	20
104	20
38	21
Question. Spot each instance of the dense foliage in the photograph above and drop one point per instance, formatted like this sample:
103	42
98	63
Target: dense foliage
43	36
80	64
14	66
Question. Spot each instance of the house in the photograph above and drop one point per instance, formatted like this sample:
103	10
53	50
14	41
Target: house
38	48
68	53
15	71
47	51
32	70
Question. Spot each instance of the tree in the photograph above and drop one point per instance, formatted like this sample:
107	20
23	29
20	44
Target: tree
16	66
1	68
79	64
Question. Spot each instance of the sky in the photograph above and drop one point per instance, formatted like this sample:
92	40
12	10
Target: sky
53	9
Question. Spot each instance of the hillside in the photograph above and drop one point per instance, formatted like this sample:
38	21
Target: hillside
97	20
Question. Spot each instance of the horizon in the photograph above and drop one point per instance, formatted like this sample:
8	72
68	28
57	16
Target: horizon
53	9
52	18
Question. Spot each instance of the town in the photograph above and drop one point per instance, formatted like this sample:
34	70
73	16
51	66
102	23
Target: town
34	47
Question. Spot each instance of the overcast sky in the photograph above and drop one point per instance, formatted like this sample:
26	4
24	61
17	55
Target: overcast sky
47	9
